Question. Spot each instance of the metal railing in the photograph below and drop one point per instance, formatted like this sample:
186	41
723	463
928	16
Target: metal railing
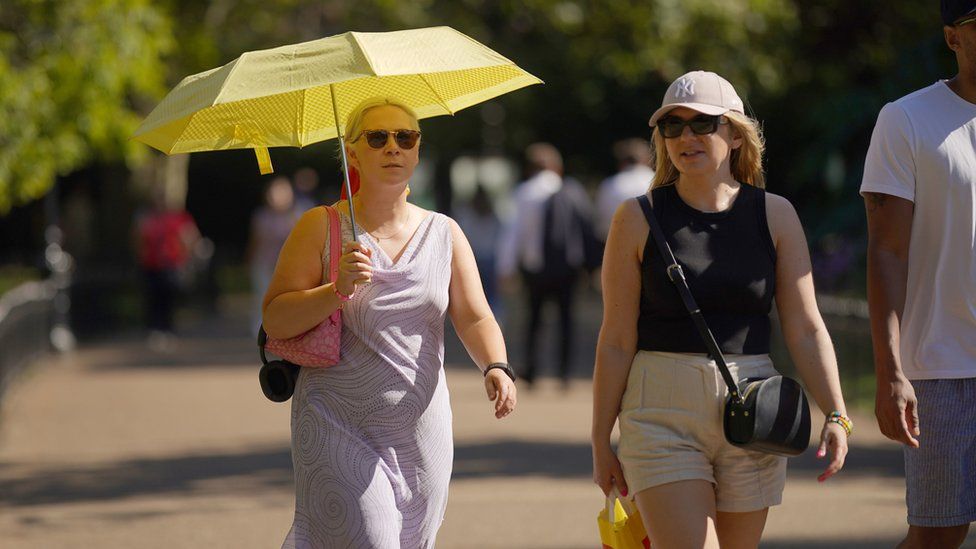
26	318
34	315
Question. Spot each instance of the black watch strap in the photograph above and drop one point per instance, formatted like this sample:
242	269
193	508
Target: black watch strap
501	366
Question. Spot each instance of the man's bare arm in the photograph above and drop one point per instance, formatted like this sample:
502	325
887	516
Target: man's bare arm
889	233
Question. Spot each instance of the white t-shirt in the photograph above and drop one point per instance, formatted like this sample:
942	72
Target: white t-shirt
521	241
924	149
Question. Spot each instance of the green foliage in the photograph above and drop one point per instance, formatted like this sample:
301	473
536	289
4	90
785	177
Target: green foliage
69	75
848	61
76	77
12	276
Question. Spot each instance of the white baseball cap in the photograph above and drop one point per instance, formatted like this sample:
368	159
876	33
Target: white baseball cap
702	91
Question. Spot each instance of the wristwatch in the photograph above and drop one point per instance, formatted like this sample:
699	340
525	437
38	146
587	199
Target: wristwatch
501	366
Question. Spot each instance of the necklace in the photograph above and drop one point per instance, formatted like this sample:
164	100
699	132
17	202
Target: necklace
396	233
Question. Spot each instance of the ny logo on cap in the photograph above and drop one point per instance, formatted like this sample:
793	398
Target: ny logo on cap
686	87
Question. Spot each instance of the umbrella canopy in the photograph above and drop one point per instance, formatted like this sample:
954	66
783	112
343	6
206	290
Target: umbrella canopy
301	94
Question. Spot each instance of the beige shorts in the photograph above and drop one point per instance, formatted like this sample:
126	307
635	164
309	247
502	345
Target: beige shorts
671	430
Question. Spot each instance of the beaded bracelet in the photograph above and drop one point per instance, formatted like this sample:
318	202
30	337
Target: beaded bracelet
343	297
843	421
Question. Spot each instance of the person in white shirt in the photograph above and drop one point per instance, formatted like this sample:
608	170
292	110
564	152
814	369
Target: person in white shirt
634	178
919	189
548	246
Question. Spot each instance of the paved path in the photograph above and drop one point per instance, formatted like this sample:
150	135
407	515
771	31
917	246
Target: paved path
115	446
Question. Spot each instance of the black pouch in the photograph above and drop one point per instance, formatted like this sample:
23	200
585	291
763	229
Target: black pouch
772	416
277	377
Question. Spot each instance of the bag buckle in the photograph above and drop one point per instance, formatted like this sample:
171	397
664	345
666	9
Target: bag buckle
675	268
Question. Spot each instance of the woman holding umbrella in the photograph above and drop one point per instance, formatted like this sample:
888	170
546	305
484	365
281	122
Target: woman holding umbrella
371	437
740	247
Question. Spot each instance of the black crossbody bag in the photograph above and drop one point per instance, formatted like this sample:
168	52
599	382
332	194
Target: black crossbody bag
768	415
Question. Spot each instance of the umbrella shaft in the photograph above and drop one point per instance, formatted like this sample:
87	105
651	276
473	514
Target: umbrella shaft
345	172
345	163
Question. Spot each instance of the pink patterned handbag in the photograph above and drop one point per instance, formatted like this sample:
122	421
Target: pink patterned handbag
318	347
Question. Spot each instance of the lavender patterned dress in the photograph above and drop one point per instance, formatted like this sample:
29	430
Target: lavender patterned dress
372	443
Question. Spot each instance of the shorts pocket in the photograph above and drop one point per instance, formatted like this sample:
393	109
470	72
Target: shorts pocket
634	392
673	386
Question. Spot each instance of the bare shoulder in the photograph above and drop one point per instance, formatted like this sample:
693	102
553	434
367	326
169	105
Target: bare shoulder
451	222
629	217
313	224
780	212
459	241
628	229
778	206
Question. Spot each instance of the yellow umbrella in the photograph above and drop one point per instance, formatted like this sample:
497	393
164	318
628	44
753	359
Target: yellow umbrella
301	94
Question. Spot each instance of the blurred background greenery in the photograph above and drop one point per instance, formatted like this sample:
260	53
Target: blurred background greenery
76	77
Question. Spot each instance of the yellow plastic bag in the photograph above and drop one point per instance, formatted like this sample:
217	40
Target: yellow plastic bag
620	524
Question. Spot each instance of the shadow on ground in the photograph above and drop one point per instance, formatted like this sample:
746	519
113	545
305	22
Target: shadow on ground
253	470
247	471
871	461
518	458
832	544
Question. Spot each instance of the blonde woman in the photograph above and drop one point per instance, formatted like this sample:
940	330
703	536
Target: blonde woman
740	248
372	445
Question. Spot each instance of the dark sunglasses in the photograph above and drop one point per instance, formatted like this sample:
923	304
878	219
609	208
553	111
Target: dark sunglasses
377	139
703	124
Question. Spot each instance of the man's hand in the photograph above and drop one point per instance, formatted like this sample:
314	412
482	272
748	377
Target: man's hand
897	411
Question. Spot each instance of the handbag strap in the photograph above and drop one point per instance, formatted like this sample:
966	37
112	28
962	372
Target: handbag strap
335	250
335	243
677	277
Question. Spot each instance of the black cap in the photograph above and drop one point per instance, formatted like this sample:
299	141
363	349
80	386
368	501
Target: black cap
952	10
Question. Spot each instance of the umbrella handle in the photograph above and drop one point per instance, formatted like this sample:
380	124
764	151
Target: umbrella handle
345	172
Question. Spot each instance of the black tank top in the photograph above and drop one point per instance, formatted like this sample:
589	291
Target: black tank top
730	262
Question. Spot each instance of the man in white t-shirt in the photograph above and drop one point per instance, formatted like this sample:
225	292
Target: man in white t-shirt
919	189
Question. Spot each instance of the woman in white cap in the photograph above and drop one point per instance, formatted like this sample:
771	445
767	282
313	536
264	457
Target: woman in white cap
740	247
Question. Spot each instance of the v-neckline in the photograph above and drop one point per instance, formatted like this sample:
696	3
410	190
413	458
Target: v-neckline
394	263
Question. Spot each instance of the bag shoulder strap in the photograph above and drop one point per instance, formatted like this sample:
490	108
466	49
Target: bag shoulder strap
677	277
335	242
335	250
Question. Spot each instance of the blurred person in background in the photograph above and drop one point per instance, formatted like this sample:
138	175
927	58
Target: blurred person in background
306	189
919	190
550	242
739	247
270	226
372	445
165	237
633	178
483	229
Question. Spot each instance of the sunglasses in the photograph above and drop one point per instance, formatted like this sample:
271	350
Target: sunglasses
377	139
703	124
965	21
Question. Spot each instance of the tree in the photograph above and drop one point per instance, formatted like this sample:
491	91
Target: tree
70	73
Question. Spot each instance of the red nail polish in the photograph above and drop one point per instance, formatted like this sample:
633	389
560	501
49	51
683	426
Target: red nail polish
624	492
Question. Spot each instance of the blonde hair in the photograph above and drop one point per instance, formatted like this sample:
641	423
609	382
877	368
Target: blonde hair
354	124
745	162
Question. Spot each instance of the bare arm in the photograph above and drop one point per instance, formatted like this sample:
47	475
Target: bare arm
296	300
803	328
889	233
475	324
617	344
